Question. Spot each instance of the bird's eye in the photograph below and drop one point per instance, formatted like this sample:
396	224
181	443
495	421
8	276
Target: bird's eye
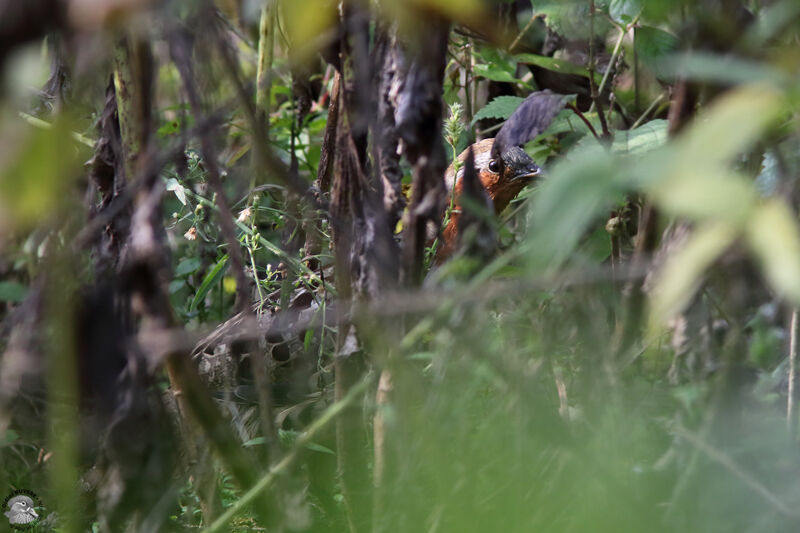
494	165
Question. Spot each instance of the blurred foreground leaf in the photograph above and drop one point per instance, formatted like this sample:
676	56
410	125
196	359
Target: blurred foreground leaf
646	137
37	171
679	278
11	291
773	235
575	193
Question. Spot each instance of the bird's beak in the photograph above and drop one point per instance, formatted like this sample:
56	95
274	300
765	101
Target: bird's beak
529	172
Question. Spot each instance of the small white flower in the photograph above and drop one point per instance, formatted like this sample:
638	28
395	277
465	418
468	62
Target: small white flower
244	214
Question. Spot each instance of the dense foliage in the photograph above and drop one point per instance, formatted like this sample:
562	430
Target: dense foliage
222	299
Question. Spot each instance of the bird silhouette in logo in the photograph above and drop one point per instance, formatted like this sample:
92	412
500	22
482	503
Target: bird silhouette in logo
20	510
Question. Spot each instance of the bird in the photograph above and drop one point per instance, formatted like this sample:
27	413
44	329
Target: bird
20	510
502	177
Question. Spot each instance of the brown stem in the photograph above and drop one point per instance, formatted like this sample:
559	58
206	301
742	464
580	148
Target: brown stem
592	66
584	119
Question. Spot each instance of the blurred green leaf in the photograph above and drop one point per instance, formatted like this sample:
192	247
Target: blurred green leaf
691	178
11	291
36	174
680	276
730	126
653	46
307	22
176	285
705	66
289	437
773	235
187	266
646	137
624	11
702	196
576	192
494	73
499	107
570	18
771	19
557	65
9	437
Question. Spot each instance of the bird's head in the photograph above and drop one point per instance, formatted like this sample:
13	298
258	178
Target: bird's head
503	177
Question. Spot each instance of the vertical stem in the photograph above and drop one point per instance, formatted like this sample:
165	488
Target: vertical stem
468	100
473	81
131	81
592	67
62	382
266	54
791	404
622	31
636	101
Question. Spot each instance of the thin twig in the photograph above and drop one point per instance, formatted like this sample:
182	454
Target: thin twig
725	461
584	119
592	69
647	111
791	402
614	54
519	37
41	124
266	52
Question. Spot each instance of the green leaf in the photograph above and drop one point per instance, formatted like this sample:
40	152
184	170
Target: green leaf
704	66
568	121
770	22
570	18
557	65
653	46
289	437
11	291
211	278
730	126
176	285
680	276
500	107
702	196
495	74
576	192
646	137
692	178
257	441
624	11
773	236
187	266
9	437
319	448
39	169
